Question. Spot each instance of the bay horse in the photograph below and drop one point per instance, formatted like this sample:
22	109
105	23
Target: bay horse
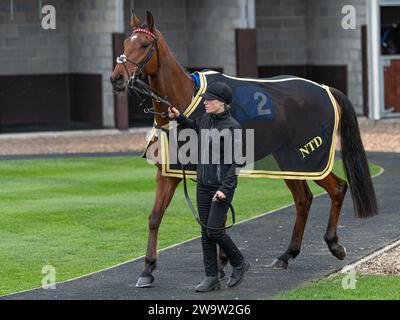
146	51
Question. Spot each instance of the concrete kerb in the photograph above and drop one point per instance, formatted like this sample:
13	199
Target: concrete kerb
354	264
370	256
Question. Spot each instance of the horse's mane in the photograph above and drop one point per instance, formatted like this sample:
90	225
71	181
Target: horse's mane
175	58
180	64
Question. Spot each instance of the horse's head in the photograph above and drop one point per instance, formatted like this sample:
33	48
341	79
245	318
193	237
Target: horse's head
140	53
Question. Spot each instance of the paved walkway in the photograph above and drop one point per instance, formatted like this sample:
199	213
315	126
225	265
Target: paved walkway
261	239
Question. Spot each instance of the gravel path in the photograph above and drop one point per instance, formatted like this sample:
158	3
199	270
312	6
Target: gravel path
382	136
388	263
103	141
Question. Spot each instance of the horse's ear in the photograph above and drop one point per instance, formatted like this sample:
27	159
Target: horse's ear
150	21
135	21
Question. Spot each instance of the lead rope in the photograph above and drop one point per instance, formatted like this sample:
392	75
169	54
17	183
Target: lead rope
195	215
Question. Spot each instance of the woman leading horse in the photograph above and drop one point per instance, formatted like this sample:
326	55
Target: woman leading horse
146	52
216	181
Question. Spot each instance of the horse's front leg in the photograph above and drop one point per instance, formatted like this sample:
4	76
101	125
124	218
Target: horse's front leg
166	187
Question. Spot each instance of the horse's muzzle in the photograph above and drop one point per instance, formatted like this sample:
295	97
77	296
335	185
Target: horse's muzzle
118	83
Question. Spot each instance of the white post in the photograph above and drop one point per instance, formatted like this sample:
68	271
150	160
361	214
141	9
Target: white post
11	10
119	12
251	14
247	14
40	5
375	76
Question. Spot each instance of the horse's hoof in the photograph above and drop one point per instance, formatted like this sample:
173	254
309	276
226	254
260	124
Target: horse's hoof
339	252
145	282
221	274
279	264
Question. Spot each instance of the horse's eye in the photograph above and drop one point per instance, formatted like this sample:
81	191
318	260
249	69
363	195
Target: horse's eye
145	45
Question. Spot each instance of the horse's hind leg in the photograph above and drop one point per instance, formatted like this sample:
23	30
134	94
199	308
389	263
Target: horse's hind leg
166	187
336	189
303	198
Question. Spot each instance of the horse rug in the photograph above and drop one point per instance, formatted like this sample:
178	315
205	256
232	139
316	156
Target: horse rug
295	121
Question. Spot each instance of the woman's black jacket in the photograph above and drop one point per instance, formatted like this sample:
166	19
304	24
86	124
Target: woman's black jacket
220	175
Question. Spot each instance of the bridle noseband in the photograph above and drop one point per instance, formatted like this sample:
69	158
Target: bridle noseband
139	87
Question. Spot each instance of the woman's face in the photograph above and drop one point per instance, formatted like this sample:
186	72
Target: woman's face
214	106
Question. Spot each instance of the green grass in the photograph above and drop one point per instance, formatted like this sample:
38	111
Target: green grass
366	288
81	215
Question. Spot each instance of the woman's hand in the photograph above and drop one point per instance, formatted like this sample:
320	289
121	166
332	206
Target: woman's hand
219	195
173	112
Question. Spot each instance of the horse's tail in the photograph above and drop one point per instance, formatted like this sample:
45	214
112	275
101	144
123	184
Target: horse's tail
355	160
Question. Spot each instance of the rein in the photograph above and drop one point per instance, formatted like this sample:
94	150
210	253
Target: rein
190	204
196	216
142	88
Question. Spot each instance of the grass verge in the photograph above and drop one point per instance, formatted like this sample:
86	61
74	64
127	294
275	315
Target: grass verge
365	288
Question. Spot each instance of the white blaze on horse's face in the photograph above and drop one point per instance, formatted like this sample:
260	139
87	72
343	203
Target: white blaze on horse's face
136	48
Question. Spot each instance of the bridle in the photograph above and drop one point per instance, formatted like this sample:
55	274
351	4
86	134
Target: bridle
139	87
